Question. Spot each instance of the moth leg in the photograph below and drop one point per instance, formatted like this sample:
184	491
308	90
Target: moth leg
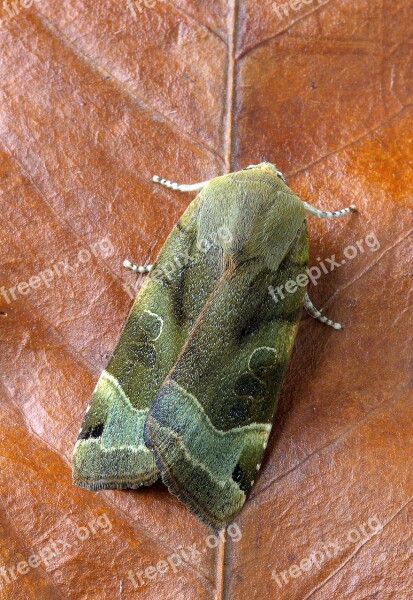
315	212
139	269
181	187
314	312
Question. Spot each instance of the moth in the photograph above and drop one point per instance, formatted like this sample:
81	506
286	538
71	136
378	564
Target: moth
190	391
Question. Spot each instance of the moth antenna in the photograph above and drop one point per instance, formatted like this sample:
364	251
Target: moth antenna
315	212
316	314
138	268
181	187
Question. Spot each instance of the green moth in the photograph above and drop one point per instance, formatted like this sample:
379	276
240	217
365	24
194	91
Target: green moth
191	389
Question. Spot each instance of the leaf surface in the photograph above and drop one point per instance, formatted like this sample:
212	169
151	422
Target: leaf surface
94	101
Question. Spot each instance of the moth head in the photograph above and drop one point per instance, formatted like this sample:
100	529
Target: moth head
269	168
260	212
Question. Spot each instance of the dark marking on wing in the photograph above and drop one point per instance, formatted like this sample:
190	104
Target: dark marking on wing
178	295
239	477
145	354
95	432
249	385
240	409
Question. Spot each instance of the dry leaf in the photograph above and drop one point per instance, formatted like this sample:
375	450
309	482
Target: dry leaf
95	99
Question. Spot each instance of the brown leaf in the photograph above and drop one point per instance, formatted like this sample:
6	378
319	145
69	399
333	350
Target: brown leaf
95	99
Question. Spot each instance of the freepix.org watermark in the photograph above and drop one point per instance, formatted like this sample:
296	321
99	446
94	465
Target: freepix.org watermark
181	556
138	6
324	266
58	268
326	551
283	10
10	10
165	273
55	547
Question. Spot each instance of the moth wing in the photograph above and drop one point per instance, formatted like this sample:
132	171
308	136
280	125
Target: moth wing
209	424
110	451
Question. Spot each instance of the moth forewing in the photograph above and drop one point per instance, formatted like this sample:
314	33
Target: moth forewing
110	451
